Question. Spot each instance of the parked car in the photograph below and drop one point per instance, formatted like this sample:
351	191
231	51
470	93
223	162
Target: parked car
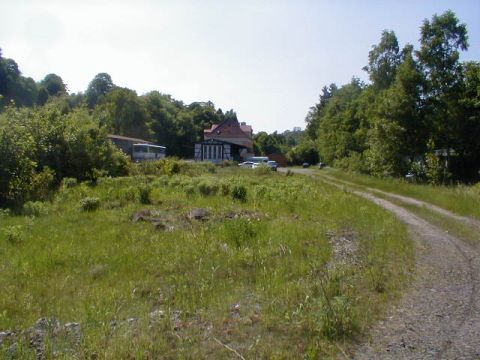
305	165
246	164
273	164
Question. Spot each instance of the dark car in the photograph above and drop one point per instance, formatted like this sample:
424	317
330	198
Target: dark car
273	165
305	165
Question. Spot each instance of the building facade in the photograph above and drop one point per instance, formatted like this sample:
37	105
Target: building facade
229	140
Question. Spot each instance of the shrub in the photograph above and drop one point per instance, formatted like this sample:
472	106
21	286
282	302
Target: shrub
225	188
42	184
337	318
240	232
90	203
69	182
239	192
35	208
14	234
145	194
5	212
260	191
207	188
128	194
262	170
189	190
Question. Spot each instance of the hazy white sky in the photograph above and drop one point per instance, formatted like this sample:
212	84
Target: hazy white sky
268	60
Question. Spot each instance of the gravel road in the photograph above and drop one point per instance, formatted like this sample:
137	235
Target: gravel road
439	315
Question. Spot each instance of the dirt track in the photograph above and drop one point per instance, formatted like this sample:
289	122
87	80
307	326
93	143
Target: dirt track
439	314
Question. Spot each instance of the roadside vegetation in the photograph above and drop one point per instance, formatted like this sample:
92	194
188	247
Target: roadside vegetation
419	113
460	199
188	260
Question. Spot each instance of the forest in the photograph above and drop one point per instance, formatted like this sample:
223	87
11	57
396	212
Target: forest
419	114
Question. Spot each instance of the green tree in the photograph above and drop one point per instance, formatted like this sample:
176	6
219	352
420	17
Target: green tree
441	41
316	112
383	61
124	113
101	85
54	85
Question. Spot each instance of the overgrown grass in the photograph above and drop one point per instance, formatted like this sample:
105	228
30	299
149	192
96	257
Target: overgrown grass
460	199
260	275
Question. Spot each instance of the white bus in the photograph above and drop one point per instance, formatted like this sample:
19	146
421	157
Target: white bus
142	152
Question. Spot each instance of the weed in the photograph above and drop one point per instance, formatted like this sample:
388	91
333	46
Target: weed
90	203
35	208
337	318
225	188
240	232
189	190
262	170
207	188
4	212
69	182
145	194
14	234
239	192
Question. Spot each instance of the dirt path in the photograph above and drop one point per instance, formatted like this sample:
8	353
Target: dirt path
408	200
439	315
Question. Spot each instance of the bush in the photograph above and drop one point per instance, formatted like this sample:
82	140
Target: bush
337	318
90	203
128	194
354	162
42	183
239	192
35	208
69	182
260	191
225	188
262	170
240	232
14	234
189	190
207	188
145	194
62	144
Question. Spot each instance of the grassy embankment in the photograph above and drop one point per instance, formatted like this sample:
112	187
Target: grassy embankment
460	199
295	269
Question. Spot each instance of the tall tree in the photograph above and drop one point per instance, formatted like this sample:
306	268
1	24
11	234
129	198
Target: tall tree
124	113
441	41
383	61
100	85
54	85
317	111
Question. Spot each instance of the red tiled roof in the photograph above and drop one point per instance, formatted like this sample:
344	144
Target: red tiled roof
229	128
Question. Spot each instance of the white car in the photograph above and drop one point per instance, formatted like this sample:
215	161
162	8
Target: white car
246	164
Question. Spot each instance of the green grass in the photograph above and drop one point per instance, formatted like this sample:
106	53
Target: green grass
460	199
265	282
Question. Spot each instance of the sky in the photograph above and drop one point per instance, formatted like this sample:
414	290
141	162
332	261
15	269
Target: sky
267	60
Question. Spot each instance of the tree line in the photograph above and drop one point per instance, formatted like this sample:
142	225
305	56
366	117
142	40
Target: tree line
153	116
47	133
420	112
